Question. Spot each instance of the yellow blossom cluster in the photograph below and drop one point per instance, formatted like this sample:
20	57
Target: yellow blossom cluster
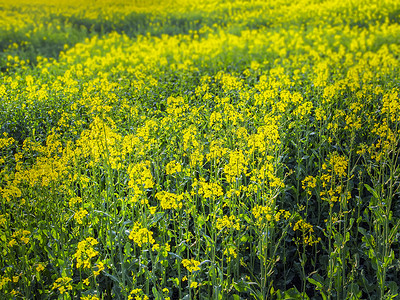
6	141
100	142
137	294
217	151
262	213
141	235
85	253
140	175
98	268
282	213
391	106
74	201
80	215
334	194
337	164
307	232
230	252
309	183
266	174
226	222
169	200
207	189
191	265
237	166
63	285
19	237
176	106
90	297
173	167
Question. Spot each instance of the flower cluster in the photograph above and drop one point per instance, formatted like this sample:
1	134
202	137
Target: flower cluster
230	222
85	253
141	235
19	237
63	284
191	265
307	232
173	167
207	189
237	166
169	200
309	183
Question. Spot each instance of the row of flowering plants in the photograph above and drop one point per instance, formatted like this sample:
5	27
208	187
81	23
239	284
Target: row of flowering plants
229	153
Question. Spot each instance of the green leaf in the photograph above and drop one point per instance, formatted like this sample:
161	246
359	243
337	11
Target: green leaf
201	220
156	294
392	287
394	231
318	281
354	292
175	281
314	282
155	218
362	231
175	255
127	249
205	261
294	294
240	286
112	277
371	190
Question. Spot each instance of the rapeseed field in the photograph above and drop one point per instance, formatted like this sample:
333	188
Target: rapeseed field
228	149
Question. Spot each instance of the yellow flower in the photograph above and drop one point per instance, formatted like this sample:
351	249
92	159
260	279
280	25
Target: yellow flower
261	213
207	189
282	212
230	252
173	167
3	281
169	200
139	295
141	235
40	267
100	267
85	253
309	183
338	164
391	106
63	284
155	247
4	142
152	209
140	175
90	297
227	222
21	236
237	165
79	215
191	264
307	232
216	151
